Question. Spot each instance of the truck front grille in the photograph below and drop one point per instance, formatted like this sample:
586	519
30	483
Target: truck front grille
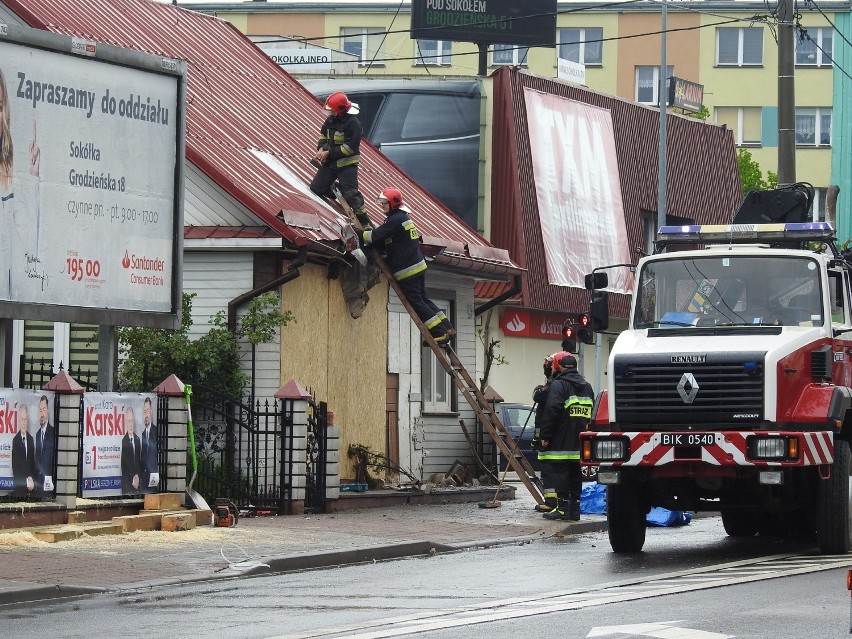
719	388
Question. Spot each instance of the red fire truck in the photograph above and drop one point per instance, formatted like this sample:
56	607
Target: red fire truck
730	389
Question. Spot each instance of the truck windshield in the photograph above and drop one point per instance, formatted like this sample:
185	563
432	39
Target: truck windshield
729	290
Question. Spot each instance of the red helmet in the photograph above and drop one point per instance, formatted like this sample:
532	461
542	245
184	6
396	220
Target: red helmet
548	365
339	104
563	360
392	196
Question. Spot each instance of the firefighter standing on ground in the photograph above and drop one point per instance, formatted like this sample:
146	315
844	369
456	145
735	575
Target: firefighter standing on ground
338	154
566	414
540	400
399	242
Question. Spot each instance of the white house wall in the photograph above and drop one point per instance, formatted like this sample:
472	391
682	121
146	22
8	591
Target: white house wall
430	443
217	277
207	204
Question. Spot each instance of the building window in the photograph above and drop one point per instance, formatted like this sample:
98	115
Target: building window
438	395
364	42
745	122
508	54
433	52
648	84
739	47
584	46
813	127
816	48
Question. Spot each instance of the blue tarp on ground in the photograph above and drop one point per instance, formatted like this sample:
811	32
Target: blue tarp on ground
593	502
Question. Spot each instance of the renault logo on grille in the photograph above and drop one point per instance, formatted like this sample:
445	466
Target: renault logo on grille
687	388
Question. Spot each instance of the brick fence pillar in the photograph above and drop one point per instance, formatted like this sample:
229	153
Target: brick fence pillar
67	396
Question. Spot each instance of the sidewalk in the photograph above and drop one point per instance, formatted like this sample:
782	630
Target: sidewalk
33	570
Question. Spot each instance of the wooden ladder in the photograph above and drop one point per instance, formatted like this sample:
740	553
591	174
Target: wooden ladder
449	360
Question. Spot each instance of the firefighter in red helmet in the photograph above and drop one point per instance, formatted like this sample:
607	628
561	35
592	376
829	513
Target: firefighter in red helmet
567	412
399	242
338	153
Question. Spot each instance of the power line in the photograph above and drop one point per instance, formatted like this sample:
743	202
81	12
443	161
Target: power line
827	19
754	18
803	34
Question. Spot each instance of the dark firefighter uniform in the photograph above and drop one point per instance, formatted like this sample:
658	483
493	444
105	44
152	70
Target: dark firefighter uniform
399	242
567	412
340	135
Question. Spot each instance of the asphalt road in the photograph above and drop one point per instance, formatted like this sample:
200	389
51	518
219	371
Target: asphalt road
690	583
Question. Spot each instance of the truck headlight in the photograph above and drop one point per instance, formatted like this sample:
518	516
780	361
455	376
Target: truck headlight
773	447
609	448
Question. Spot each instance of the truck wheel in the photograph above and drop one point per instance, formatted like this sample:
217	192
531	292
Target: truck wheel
739	523
625	515
833	511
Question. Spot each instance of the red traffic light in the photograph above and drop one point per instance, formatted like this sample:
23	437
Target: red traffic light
585	320
568	331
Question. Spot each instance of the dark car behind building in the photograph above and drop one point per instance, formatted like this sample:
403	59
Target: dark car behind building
428	128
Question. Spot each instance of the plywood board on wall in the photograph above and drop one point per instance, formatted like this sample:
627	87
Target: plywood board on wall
341	359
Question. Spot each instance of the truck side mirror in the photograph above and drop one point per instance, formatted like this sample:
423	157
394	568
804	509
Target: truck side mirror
597	280
600	310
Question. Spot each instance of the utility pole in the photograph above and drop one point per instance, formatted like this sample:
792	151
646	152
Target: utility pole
786	95
663	95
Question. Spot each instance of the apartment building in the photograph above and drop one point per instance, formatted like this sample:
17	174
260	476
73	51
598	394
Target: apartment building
728	47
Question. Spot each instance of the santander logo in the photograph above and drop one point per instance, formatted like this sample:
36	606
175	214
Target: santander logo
126	261
515	324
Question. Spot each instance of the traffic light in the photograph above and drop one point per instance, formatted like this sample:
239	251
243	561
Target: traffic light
584	329
569	337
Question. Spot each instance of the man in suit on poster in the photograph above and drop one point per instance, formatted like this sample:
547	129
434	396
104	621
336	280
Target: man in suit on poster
131	456
149	447
45	448
23	455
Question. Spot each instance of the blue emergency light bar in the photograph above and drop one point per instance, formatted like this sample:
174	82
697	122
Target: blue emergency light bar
745	233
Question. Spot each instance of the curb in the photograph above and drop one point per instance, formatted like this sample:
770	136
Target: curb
296	562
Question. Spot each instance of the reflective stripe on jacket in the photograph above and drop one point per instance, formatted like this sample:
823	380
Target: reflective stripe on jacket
567	411
399	242
341	137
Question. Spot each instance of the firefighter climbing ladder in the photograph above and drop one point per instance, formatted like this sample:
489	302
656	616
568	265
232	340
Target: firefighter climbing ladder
447	357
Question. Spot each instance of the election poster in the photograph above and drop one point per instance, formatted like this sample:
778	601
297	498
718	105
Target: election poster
120	448
27	443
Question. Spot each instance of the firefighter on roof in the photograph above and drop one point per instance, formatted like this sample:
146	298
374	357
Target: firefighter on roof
338	149
566	414
399	242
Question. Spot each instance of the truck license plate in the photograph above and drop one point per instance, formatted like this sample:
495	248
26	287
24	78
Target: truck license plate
687	439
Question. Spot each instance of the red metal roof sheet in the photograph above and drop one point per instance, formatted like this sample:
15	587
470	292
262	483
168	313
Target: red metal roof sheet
241	104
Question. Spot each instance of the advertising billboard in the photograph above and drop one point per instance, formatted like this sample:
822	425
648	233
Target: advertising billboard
119	444
529	23
578	190
27	443
91	170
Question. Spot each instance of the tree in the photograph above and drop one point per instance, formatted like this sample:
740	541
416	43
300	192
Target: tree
751	177
212	361
492	357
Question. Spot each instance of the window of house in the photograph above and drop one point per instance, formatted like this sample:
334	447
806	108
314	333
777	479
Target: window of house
813	127
364	42
648	84
509	54
739	46
745	122
433	52
584	46
438	395
816	49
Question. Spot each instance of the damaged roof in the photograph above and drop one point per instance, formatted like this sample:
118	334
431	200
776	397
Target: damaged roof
252	128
